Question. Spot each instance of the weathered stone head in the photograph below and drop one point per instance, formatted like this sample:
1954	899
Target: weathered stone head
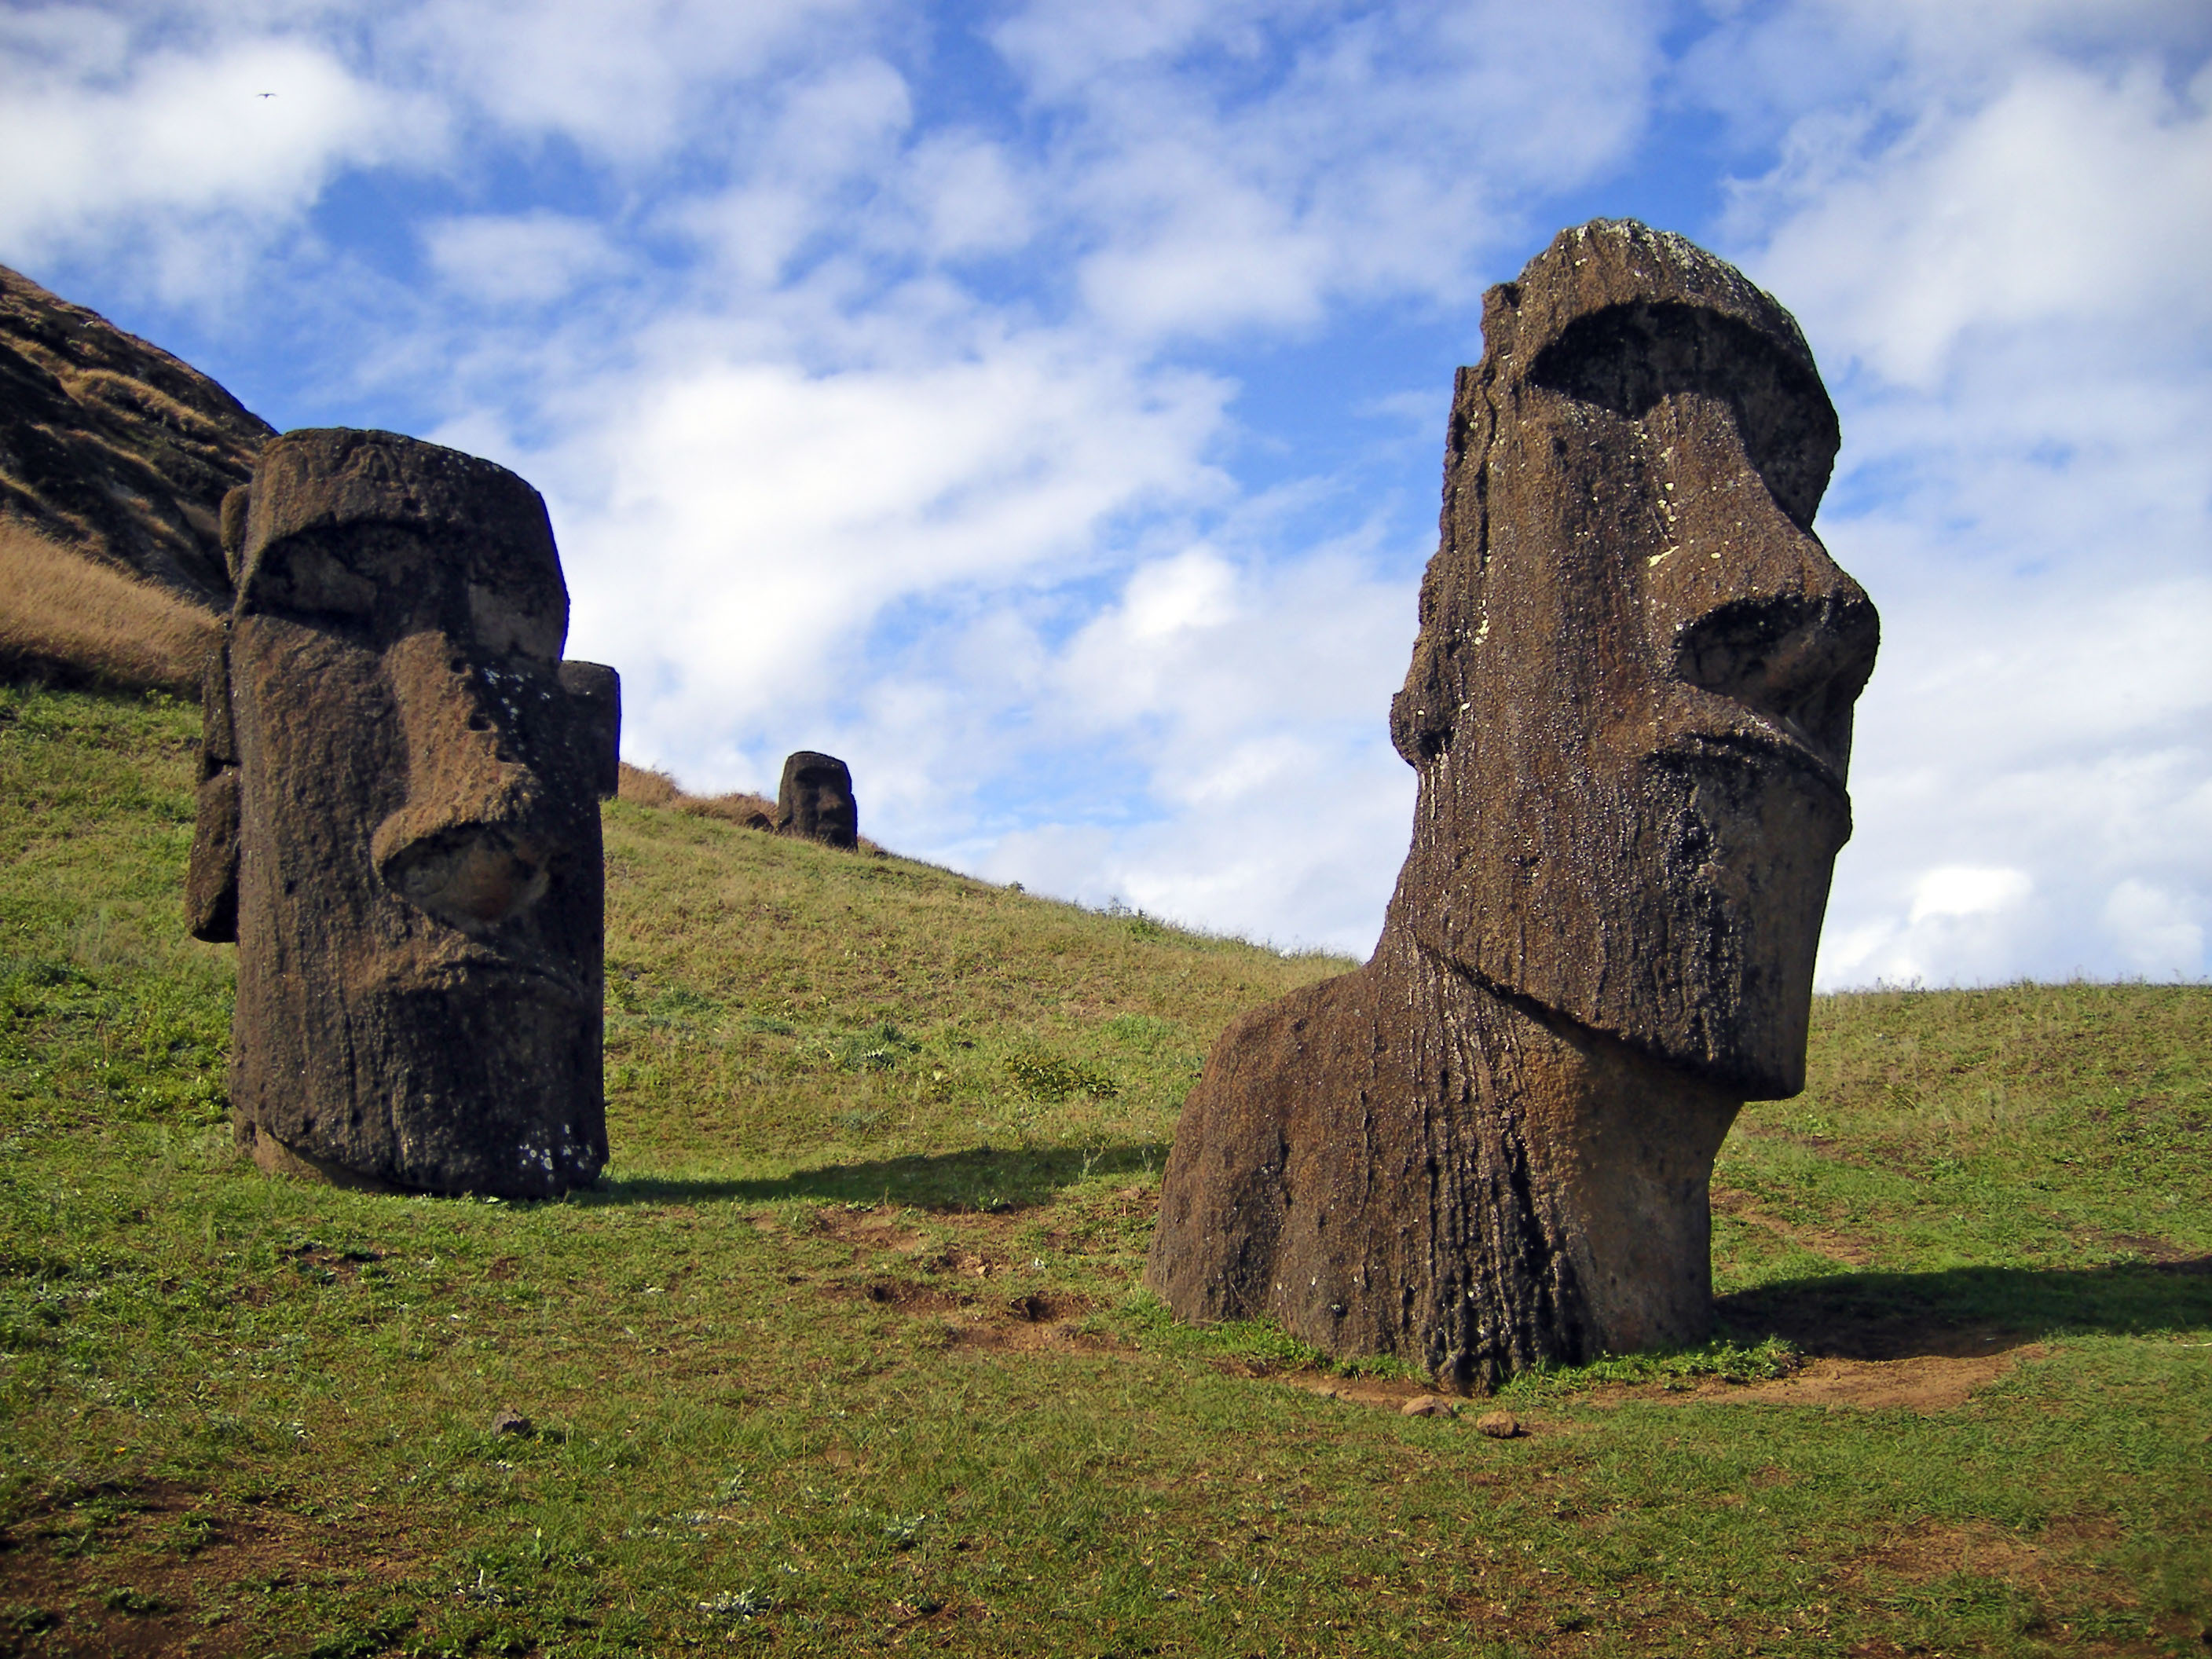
1630	703
400	824
1630	707
814	800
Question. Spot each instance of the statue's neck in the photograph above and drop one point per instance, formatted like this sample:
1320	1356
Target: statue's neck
1619	1145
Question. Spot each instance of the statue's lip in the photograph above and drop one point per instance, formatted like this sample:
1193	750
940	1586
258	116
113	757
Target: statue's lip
1760	743
482	964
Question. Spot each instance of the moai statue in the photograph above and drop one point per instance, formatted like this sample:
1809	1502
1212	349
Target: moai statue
1630	709
399	825
814	800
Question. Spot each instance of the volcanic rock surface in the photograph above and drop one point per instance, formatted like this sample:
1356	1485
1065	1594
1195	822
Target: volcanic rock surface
1628	708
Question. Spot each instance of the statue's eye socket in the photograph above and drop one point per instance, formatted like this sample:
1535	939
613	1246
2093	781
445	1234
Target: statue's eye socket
299	574
1625	358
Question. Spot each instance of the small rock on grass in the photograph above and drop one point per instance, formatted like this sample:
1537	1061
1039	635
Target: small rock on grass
506	1420
1428	1405
1498	1425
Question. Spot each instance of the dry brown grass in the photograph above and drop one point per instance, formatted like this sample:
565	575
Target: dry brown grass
648	788
65	618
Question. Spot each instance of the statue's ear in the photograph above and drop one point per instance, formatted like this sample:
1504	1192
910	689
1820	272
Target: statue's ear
211	882
235	504
218	735
595	694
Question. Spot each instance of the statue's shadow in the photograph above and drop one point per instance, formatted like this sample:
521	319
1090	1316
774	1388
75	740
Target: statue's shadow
980	1178
1964	1311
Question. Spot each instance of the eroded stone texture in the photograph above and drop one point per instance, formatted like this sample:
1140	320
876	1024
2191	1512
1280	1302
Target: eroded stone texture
1630	710
399	825
814	800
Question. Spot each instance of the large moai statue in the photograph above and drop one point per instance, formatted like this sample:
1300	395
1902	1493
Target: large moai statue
399	825
1630	709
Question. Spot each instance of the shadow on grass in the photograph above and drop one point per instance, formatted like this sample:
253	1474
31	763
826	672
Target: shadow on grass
1896	1316
980	1178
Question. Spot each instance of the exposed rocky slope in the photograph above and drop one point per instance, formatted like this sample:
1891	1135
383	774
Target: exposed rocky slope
116	456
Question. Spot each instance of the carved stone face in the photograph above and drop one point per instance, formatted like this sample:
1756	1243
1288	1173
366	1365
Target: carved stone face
816	799
1631	701
419	889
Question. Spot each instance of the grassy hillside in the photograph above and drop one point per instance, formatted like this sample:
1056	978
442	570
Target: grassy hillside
847	1352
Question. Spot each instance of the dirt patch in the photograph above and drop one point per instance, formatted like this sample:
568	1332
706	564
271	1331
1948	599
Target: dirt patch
981	1318
878	1228
900	1296
1382	1393
320	1262
1138	1200
146	1568
1923	1383
1030	1324
966	1245
964	1264
981	1242
2056	1568
1820	1240
2050	1560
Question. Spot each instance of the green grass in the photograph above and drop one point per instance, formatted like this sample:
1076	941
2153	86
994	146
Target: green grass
847	1352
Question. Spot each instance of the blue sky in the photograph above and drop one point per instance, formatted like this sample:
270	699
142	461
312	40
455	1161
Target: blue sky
1042	405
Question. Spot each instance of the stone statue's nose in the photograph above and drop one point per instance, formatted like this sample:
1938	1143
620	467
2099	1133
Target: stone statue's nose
470	846
1765	618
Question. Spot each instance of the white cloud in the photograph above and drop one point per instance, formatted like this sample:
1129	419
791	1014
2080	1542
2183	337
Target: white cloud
1334	157
2157	932
1281	844
755	517
2034	726
822	163
630	84
1246	699
1965	922
1954	891
1769	67
520	259
181	144
2069	194
971	196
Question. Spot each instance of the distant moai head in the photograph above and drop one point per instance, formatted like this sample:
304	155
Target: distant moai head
1629	704
400	824
815	799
